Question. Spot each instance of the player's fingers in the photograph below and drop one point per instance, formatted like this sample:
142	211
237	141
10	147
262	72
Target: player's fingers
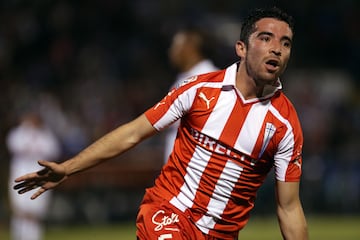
33	175
26	177
27	188
38	193
20	185
26	184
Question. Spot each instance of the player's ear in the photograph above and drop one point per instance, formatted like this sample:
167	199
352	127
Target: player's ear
240	48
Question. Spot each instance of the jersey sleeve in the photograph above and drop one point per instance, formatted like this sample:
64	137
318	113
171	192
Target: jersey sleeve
288	158
174	105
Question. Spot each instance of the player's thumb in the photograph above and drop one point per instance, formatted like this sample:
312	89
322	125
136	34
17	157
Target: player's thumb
50	166
44	163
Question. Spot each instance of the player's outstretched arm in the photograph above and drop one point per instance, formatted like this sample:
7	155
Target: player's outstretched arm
112	144
290	212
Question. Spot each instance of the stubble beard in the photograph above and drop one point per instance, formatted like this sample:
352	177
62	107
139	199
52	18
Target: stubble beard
259	79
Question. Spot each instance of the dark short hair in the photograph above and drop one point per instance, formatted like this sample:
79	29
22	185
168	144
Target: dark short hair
203	40
248	24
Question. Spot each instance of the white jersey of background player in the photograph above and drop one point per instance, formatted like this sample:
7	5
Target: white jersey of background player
188	53
27	143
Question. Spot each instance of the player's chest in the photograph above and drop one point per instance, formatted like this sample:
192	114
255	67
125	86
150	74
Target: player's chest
222	117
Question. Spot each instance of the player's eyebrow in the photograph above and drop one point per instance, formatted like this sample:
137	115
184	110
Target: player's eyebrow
286	38
265	33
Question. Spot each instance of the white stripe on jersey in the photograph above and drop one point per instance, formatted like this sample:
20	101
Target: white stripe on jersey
251	128
216	122
220	196
194	171
173	113
283	155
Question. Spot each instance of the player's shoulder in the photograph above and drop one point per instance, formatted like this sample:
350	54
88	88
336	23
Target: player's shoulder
203	79
214	76
283	103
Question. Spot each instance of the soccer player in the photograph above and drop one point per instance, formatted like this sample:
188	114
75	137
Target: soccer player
28	142
189	54
236	124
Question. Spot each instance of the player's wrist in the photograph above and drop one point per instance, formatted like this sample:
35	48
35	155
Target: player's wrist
68	168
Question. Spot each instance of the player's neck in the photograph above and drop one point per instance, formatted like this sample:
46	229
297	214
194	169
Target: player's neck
247	85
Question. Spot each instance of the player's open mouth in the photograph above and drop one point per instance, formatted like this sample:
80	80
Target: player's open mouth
272	64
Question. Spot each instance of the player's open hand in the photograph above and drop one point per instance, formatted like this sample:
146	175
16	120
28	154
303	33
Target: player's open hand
47	178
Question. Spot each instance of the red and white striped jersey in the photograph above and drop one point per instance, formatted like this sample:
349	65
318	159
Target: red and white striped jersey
224	149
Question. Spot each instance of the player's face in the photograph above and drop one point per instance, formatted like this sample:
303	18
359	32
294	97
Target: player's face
268	50
177	50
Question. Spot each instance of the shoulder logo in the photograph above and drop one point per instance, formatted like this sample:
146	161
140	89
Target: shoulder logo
207	101
163	101
186	81
158	105
297	163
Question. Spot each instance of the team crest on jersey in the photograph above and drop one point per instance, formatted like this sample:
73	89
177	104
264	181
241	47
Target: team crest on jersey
270	130
186	81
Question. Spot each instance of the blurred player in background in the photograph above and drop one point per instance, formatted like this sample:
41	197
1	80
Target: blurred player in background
236	124
28	142
189	54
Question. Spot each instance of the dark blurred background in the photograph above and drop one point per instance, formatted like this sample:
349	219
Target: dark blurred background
89	66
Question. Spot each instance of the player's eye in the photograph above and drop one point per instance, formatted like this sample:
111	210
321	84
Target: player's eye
265	38
287	44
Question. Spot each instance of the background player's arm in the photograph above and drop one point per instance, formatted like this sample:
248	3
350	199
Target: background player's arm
112	144
289	210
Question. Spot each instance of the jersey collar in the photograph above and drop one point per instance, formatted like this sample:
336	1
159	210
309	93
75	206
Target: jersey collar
230	78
